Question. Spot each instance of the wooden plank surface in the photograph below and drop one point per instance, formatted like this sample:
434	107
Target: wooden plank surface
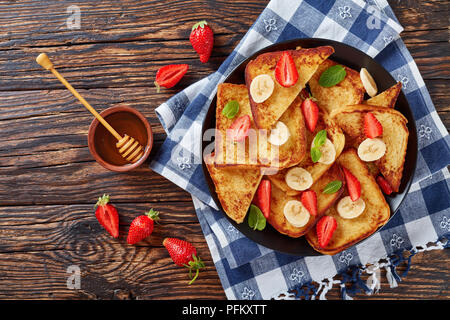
50	181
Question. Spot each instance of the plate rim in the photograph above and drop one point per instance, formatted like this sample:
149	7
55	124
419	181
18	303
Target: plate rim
295	42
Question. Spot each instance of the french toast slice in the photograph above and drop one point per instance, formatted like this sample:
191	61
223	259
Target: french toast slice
375	214
235	188
395	135
324	201
267	113
255	151
347	92
386	98
317	169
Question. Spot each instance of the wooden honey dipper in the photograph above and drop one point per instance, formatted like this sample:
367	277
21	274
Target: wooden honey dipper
128	147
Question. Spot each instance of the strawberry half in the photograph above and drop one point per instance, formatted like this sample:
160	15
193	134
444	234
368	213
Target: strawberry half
142	226
107	215
202	40
372	127
286	72
170	75
311	113
325	228
353	185
384	185
239	128
184	254
263	197
309	201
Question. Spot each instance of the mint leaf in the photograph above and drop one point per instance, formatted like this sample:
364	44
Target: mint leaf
252	218
332	76
332	187
256	219
315	154
320	138
231	109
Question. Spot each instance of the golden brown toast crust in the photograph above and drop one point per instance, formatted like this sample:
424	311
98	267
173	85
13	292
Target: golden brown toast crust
235	188
324	201
294	150
395	136
386	98
349	91
351	231
286	155
307	61
225	93
342	109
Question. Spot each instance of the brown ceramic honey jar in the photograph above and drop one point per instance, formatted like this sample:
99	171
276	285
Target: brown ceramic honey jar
125	120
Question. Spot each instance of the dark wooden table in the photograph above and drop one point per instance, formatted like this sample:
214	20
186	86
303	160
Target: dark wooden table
50	182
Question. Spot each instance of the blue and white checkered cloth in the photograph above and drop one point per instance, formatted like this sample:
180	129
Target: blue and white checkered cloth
250	271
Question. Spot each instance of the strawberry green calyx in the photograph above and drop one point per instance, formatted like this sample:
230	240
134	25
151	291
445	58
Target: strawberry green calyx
200	24
153	214
195	264
158	87
103	200
312	98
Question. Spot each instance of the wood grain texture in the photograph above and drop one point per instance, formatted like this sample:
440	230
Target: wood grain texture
50	181
70	235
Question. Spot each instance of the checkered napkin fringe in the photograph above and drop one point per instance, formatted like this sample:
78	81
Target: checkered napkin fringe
250	271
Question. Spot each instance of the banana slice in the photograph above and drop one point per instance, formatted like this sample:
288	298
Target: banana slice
368	82
349	209
261	88
298	179
295	213
371	149
279	134
328	152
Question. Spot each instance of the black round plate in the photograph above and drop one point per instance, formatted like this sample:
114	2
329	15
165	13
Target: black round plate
354	59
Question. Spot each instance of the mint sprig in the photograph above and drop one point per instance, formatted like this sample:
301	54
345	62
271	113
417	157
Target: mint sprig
231	109
256	219
319	140
332	76
315	154
332	187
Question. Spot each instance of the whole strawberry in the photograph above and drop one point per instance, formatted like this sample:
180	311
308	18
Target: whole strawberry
202	40
142	226
107	215
184	254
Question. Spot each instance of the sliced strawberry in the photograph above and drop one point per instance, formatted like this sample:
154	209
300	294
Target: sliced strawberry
372	127
263	197
311	113
239	128
169	75
309	201
353	185
286	72
384	185
107	215
325	228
